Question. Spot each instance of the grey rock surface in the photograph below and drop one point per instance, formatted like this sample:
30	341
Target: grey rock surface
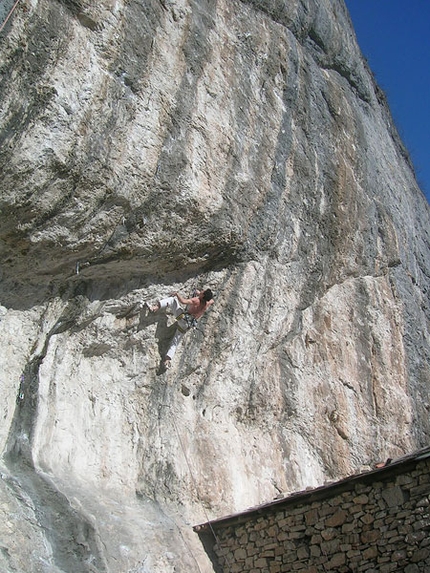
164	145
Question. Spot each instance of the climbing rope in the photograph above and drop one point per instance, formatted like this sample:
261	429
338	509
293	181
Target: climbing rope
229	565
9	15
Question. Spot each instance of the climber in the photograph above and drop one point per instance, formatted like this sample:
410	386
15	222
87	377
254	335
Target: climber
186	319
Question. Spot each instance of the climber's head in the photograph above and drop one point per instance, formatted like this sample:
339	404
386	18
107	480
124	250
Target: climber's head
207	295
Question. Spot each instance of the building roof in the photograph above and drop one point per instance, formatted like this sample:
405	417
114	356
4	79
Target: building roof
382	471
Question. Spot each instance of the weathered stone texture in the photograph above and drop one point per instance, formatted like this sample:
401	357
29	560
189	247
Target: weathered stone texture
390	533
159	145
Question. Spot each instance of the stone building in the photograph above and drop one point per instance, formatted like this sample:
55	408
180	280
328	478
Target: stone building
374	521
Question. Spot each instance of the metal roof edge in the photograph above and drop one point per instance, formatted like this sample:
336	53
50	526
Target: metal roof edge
390	467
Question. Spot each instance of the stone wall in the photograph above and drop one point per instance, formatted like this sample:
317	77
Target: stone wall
378	521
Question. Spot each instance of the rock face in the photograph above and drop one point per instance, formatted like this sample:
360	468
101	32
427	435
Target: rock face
162	145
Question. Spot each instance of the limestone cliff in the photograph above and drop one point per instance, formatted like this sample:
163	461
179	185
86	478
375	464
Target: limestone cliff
149	146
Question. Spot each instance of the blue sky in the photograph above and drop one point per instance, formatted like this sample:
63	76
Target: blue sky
394	36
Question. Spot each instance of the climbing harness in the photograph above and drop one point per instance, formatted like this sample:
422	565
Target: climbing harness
189	319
